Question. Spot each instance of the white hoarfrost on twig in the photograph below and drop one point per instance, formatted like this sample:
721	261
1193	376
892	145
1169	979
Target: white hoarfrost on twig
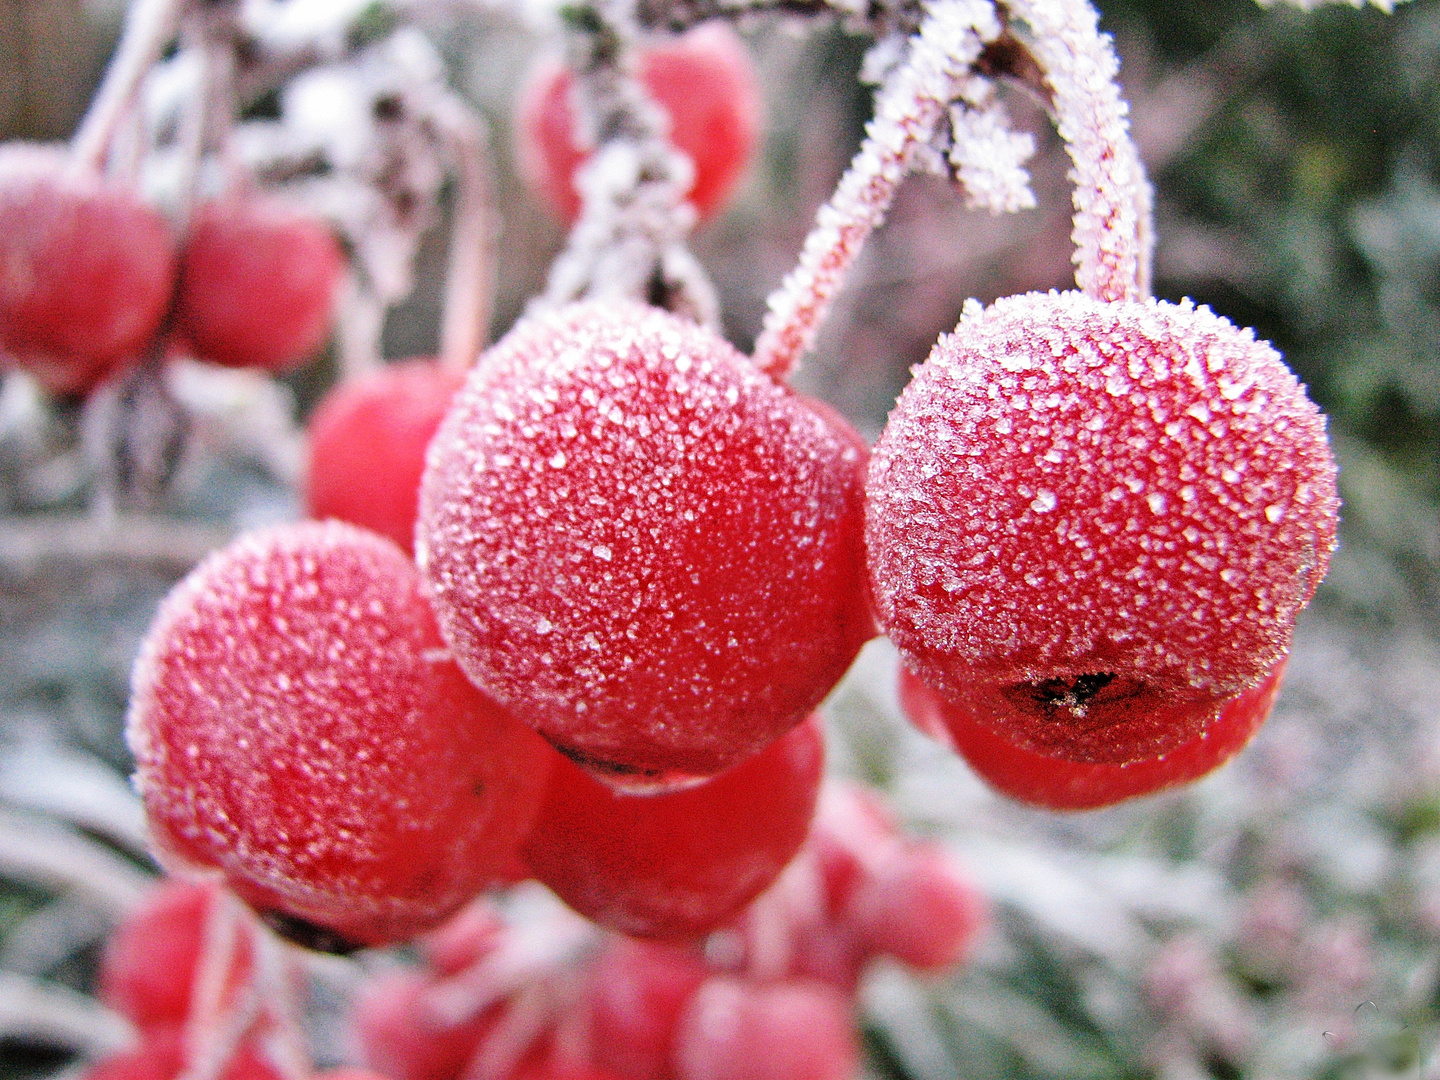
1112	232
630	240
909	110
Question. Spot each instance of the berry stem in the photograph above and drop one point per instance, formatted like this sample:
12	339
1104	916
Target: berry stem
908	111
470	275
149	24
629	242
217	1021
1113	235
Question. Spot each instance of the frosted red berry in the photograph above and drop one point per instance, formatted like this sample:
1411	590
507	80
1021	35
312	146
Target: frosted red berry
148	969
1095	523
643	546
706	85
402	1036
86	270
298	725
680	864
1061	784
634	996
917	907
367	446
258	279
792	1030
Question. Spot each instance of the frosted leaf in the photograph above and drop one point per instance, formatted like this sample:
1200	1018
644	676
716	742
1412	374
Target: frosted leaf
1112	198
908	112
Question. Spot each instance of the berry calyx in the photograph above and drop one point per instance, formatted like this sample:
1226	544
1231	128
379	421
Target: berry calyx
367	446
258	279
1060	784
680	864
642	546
702	79
1095	523
298	726
86	270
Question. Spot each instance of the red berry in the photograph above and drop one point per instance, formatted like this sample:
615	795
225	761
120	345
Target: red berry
367	446
635	993
1061	784
147	971
86	270
257	283
644	547
797	1030
680	864
298	724
400	1037
704	82
1094	523
917	907
161	1056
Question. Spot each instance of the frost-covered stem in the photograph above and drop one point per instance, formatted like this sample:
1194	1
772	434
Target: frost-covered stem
54	1015
62	860
470	275
908	112
218	1020
1113	233
359	323
677	16
287	1046
634	221
149	24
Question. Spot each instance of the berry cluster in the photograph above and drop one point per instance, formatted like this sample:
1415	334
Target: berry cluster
770	998
94	280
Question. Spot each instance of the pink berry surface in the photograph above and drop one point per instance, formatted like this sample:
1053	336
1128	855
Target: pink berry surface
401	1036
677	865
148	968
1096	522
704	82
298	725
791	1030
367	446
258	279
644	547
86	270
634	996
1061	784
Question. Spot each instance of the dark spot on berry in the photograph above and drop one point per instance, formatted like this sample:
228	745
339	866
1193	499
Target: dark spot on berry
307	935
602	765
1072	696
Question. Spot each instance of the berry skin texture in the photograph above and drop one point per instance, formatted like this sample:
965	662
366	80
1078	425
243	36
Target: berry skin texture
704	82
792	1030
641	545
298	726
367	446
147	971
257	283
86	270
677	865
1059	784
1094	524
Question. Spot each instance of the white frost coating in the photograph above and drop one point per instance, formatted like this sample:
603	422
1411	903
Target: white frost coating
908	113
988	157
1112	235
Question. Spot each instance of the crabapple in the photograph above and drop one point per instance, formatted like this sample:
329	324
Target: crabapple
1061	784
298	725
702	80
86	270
917	907
258	279
635	994
1093	524
792	1030
644	547
401	1038
677	865
149	965
367	446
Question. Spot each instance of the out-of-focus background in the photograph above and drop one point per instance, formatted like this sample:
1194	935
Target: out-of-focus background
1280	919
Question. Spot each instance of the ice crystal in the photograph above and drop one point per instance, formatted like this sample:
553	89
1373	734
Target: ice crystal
1112	197
908	112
